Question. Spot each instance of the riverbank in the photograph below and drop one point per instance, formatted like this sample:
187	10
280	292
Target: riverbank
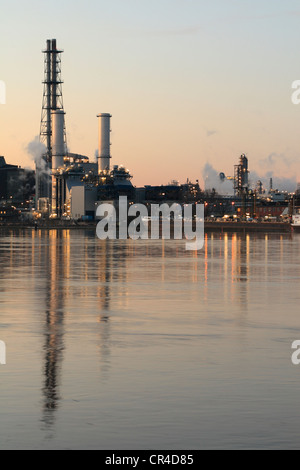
241	227
246	227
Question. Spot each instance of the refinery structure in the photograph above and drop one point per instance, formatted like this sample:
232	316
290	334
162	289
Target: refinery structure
67	186
52	120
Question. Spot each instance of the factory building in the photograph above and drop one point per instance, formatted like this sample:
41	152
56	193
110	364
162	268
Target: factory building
68	185
82	202
16	183
77	187
241	177
109	183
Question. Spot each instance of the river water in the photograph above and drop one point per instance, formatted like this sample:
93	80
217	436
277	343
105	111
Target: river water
143	345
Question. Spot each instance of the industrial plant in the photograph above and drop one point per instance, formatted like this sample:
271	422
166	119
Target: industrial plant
68	187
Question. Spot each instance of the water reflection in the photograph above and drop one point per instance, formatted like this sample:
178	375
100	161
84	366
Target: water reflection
57	262
90	265
112	311
105	277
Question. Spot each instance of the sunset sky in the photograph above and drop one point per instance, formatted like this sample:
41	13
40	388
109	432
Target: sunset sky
188	82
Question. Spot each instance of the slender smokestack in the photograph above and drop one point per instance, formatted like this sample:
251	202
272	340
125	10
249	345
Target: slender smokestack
58	143
58	154
104	142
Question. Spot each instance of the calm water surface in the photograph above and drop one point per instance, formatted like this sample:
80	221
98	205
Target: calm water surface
142	345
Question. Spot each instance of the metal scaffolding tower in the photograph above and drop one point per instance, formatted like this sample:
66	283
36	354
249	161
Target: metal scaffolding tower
52	100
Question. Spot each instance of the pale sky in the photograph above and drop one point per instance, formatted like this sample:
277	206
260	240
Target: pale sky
188	82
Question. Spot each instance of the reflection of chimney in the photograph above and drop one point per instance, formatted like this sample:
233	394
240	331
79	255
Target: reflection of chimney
54	324
104	142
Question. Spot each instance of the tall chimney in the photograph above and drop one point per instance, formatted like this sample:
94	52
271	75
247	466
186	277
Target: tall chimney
58	143
58	154
104	142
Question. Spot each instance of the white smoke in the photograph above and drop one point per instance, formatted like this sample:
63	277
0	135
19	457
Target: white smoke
212	181
275	161
37	150
279	183
273	165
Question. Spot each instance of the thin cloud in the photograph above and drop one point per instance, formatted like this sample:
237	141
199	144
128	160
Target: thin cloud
279	182
211	132
275	158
